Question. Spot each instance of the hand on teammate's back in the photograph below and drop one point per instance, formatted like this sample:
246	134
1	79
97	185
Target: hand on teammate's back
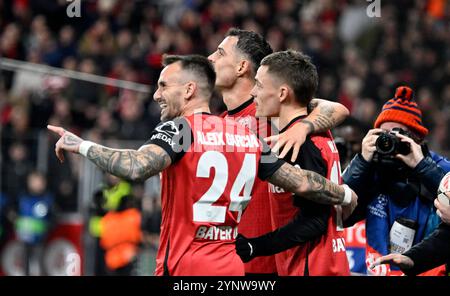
293	139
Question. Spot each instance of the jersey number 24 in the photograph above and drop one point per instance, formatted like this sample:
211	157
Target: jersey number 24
203	209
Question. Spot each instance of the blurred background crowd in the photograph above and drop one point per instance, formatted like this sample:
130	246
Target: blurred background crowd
360	59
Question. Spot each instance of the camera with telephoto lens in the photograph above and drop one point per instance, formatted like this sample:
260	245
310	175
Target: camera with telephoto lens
389	145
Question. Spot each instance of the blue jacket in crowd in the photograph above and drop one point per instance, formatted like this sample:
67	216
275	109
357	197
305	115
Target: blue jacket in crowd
383	197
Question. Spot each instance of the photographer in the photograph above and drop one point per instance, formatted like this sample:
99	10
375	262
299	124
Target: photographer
394	176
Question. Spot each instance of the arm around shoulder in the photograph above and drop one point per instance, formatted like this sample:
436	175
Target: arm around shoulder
325	115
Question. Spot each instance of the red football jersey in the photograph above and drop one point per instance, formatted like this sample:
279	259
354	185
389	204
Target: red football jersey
325	255
204	193
256	221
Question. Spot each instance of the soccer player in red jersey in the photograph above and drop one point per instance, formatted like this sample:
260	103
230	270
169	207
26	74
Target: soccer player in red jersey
236	60
307	239
208	164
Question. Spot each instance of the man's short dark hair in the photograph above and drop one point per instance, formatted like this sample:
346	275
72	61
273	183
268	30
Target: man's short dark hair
295	69
253	45
200	66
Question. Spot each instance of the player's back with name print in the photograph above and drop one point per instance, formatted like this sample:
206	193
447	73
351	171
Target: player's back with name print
222	134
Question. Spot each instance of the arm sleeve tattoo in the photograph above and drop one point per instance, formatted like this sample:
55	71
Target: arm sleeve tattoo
322	119
307	184
133	165
167	144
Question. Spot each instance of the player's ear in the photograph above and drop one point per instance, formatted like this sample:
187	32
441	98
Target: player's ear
283	93
190	90
243	67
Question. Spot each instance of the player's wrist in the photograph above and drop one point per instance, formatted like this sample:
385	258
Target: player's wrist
307	125
263	245
250	254
244	248
347	195
84	147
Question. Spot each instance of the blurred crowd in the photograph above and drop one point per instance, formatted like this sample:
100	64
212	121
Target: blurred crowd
360	59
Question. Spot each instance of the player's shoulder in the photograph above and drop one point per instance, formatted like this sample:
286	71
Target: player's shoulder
224	114
174	125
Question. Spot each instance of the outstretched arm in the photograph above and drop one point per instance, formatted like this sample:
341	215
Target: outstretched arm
312	186
324	115
134	165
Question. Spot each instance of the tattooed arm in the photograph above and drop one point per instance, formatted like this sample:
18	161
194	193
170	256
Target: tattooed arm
323	115
134	165
310	185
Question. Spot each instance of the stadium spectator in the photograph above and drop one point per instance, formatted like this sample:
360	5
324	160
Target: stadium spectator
106	198
35	210
193	233
397	203
348	137
132	124
16	169
116	222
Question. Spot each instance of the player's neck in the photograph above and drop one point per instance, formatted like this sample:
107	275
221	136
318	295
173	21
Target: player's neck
238	94
196	107
288	113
